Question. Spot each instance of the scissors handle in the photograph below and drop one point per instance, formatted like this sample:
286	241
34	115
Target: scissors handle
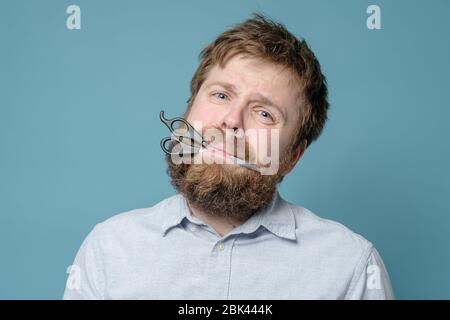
178	148
187	140
164	146
188	135
170	123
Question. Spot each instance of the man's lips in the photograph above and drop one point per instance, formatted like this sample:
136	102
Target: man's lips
213	152
216	150
222	151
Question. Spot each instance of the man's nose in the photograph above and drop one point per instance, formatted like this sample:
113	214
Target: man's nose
234	118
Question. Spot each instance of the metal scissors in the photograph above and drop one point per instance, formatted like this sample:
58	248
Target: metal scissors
190	140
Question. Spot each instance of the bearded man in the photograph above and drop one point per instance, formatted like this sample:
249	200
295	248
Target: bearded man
227	233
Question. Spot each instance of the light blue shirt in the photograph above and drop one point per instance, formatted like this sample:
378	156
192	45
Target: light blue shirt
282	252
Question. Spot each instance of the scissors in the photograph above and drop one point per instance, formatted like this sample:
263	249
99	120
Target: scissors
190	141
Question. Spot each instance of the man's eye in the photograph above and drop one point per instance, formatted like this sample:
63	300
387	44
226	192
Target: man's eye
265	114
220	95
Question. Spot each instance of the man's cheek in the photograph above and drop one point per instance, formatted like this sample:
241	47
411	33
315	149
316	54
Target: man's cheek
252	153
265	144
208	118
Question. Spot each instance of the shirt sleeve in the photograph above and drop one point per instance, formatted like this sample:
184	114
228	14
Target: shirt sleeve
371	280
85	281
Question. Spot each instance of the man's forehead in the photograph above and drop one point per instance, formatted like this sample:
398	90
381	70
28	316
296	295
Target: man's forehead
252	71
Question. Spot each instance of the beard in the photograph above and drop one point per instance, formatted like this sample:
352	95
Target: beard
225	190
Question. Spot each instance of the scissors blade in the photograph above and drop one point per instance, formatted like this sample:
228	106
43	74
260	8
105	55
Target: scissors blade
237	161
245	164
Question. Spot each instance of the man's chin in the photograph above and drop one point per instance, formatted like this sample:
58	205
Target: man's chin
226	190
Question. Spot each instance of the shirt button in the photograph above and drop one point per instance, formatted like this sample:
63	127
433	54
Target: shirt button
194	228
220	246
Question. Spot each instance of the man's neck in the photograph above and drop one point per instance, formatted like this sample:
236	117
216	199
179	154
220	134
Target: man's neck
222	225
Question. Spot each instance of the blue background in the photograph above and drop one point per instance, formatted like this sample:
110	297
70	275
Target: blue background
79	128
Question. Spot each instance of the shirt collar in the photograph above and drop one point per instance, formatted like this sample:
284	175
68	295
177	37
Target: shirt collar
277	217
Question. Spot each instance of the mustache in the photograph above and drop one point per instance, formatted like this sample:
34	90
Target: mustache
231	144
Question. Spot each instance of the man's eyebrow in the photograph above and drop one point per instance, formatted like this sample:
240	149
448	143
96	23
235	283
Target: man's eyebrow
226	85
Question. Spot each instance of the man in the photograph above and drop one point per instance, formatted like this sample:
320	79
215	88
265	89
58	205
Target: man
227	233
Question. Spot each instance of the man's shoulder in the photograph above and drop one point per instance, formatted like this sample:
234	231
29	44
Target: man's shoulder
326	232
140	219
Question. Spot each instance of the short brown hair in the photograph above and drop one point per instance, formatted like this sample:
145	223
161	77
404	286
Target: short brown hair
260	37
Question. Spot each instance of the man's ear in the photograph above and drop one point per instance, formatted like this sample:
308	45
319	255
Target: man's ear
295	157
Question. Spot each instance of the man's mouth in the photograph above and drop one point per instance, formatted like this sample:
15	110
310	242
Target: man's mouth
221	152
218	155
